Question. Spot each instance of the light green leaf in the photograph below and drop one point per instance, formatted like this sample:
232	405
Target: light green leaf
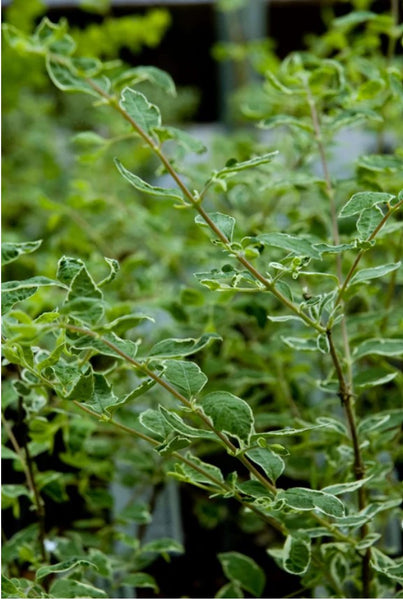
67	269
225	223
83	286
70	588
146	188
210	474
175	422
233	166
103	398
291	243
381	163
380	346
67	78
364	200
368	220
386	565
181	347
277	85
354	18
137	512
10	251
16	291
163	546
146	115
114	267
125	346
279	120
374	272
154	421
243	571
344	488
230	415
152	74
372	377
301	343
63	566
306	499
140	580
297	554
185	376
184	139
271	463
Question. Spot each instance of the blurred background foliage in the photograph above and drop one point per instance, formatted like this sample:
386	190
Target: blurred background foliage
60	185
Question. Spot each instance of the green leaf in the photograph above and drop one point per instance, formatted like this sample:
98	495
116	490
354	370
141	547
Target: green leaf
175	422
154	421
146	188
163	546
368	220
140	580
230	415
16	291
233	166
225	223
67	269
63	566
103	398
137	512
354	18
306	499
173	443
229	590
344	488
381	163
69	588
243	571
152	74
127	347
386	565
362	201
185	376
83	286
297	554
372	377
181	347
379	346
373	273
68	79
184	472
291	243
10	251
271	463
146	115
184	139
300	343
281	120
114	267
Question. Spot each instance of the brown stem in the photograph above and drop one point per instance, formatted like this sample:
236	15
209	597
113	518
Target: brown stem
26	462
219	484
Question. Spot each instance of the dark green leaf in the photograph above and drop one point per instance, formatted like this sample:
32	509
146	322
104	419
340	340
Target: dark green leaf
16	291
306	499
230	415
140	580
243	571
63	566
271	463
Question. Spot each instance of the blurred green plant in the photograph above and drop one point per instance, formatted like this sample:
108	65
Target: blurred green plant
295	334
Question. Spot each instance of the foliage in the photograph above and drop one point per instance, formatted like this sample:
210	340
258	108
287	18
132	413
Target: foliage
281	353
